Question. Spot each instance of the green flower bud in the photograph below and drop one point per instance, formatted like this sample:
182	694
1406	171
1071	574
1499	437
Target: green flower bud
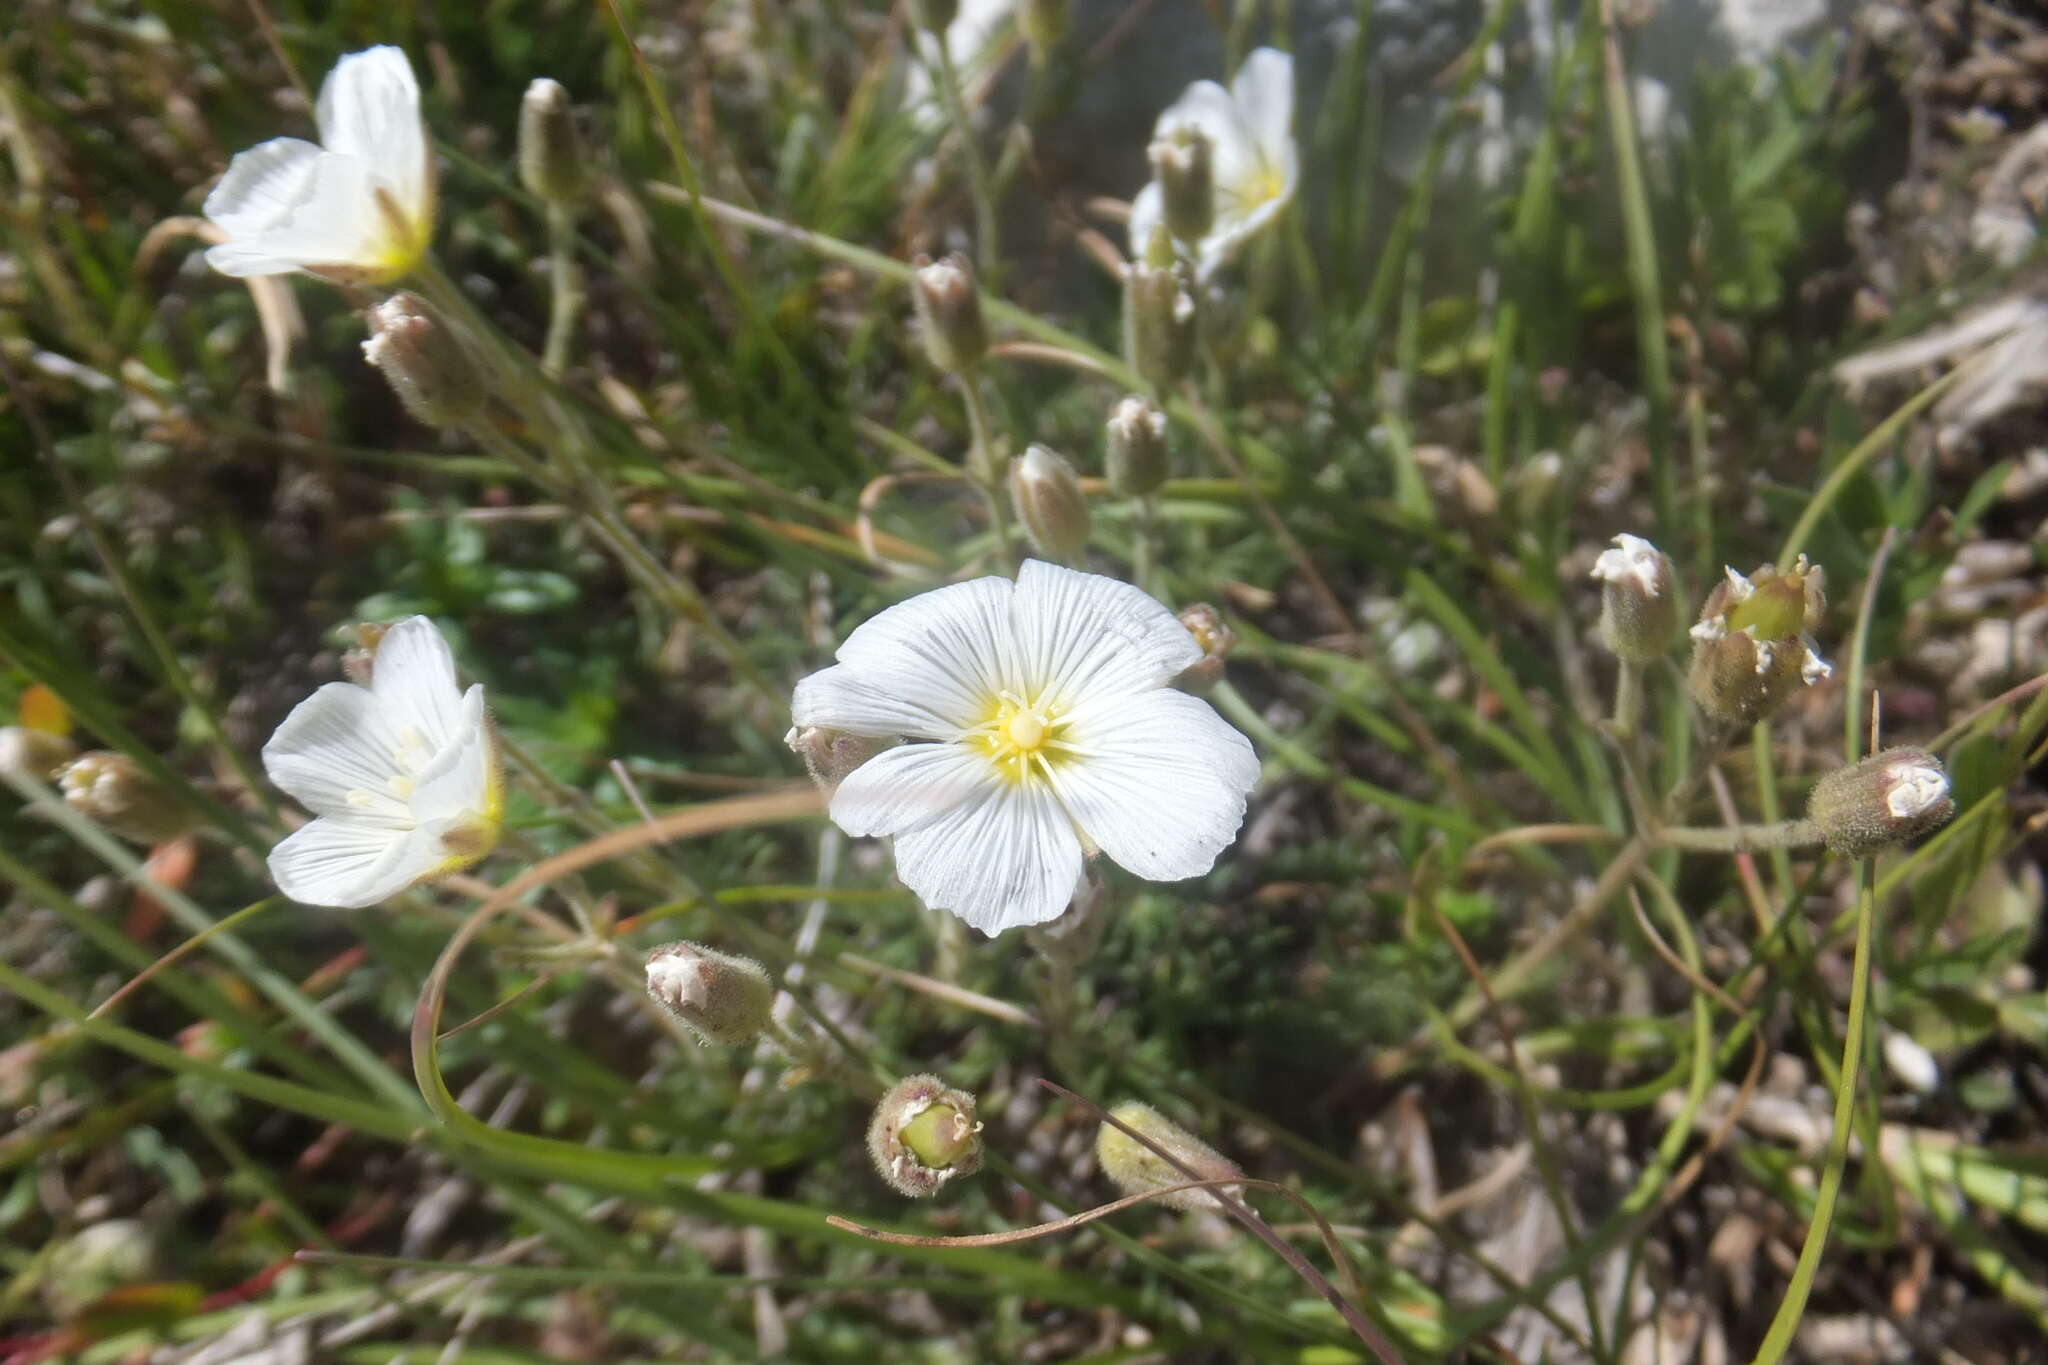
949	313
1182	163
1047	494
1136	463
934	16
829	755
719	997
1750	648
1042	23
34	753
114	790
551	160
923	1134
1136	1169
1159	316
1638	604
1205	623
1886	799
429	370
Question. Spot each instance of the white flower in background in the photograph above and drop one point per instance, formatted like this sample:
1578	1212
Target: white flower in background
1042	729
358	207
403	775
1252	154
970	46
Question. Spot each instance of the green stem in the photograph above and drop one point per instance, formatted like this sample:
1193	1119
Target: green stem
980	184
1779	1337
1640	235
1628	701
1740	838
983	466
565	300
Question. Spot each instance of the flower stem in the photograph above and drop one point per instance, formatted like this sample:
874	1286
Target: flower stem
981	186
1628	701
565	300
1740	838
982	465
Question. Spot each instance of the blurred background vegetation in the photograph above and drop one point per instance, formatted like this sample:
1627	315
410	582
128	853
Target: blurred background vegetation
1547	280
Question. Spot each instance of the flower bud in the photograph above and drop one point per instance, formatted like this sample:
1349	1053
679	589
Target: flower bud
934	16
429	370
1886	799
551	161
719	997
1136	463
1159	316
829	755
114	790
34	753
1638	605
1047	494
1042	23
923	1134
1182	163
949	312
1136	1169
1205	623
1750	648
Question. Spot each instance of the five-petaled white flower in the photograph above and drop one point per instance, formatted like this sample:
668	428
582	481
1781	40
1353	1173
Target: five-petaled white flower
358	207
1040	723
1252	154
403	775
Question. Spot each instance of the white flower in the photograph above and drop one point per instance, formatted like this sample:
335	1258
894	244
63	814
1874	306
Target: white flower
1633	562
970	46
1252	154
1041	728
358	207
403	775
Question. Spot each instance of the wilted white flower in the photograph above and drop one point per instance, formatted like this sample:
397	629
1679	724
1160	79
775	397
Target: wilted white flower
403	775
356	208
1042	728
1252	155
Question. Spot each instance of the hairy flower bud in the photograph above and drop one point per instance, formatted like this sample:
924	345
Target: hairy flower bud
829	755
1886	799
114	790
1638	602
1136	1169
1136	462
1159	316
430	371
34	753
923	1134
551	160
949	312
1182	163
1750	649
1205	623
1047	494
719	997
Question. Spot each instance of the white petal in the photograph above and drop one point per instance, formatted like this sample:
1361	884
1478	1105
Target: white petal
370	108
337	224
835	699
1009	857
1264	94
944	654
1147	211
1083	637
337	753
263	186
414	678
348	864
902	788
1161	788
462	780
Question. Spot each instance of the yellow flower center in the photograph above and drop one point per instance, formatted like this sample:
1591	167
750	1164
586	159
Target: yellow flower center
1018	735
1262	185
